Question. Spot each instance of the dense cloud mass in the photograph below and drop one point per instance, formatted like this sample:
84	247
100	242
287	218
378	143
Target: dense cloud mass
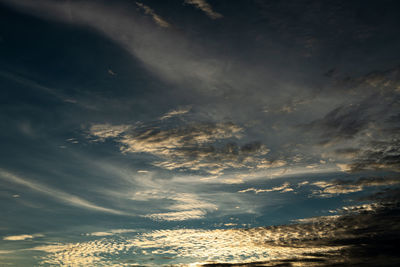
206	147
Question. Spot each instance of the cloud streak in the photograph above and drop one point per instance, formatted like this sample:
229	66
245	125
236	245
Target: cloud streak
165	53
174	113
21	237
112	232
205	7
56	194
282	189
157	19
186	206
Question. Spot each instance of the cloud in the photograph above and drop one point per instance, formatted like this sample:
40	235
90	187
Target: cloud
111	72
24	81
283	189
56	194
371	181
175	112
168	54
347	152
192	147
382	81
178	215
157	19
333	188
268	164
78	254
21	237
104	131
377	155
364	237
342	123
303	183
185	206
370	207
361	133
388	195
164	142
205	7
365	104
319	219
381	153
112	232
336	187
228	246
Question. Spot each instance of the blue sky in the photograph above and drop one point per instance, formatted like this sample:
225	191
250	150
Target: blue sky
199	132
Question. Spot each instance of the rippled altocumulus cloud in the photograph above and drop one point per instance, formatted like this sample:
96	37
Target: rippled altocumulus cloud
319	241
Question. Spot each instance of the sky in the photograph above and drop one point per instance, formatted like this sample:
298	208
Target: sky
199	133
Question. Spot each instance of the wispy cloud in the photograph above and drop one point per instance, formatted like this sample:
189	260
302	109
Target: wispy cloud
205	7
112	232
21	237
168	54
39	87
184	215
185	206
56	194
283	189
157	19
176	112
